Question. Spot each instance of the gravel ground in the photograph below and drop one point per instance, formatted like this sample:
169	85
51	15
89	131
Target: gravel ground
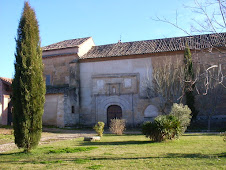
53	136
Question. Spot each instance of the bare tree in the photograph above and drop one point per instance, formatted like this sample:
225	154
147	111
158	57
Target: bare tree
208	76
167	84
213	12
213	17
211	95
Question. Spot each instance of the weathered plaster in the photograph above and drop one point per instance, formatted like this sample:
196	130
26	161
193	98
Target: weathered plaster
5	92
96	84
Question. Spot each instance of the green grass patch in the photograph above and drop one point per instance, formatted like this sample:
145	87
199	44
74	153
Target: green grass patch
95	167
72	150
191	151
49	162
6	138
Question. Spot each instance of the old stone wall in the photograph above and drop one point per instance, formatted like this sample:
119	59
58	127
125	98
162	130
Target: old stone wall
1	101
58	68
114	82
5	92
60	51
62	108
96	84
54	110
71	108
120	81
212	103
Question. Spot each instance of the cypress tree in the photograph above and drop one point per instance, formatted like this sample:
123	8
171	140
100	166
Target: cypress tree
189	76
28	84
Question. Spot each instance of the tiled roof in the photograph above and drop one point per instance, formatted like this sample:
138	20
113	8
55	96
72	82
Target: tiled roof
65	44
157	45
7	80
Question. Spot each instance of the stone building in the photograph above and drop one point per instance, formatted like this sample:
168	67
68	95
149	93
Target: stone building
5	101
88	83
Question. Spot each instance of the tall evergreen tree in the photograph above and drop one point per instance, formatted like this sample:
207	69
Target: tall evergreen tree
28	84
189	76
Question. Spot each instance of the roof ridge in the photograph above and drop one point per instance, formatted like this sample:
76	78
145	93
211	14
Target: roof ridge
65	44
157	45
86	39
72	39
8	80
159	39
68	40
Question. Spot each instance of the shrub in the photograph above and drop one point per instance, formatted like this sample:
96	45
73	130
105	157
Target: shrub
162	128
99	128
183	113
117	126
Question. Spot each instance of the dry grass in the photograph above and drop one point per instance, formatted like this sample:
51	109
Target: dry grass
4	131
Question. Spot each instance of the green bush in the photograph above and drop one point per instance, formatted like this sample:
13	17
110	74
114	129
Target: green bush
183	113
162	128
99	128
117	126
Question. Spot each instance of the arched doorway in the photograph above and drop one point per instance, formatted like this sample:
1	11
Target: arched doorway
113	111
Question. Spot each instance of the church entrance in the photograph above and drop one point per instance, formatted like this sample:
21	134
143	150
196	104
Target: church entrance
113	111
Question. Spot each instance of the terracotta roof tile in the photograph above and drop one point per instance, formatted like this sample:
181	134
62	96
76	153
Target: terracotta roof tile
65	44
157	45
7	80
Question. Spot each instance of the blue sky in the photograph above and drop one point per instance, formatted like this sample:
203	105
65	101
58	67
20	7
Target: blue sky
104	20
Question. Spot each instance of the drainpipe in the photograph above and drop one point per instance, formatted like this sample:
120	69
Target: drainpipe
133	112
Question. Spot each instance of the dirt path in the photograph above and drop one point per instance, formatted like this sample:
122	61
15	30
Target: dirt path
52	135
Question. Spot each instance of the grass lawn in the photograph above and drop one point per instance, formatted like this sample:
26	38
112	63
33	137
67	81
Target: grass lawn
192	151
5	138
6	135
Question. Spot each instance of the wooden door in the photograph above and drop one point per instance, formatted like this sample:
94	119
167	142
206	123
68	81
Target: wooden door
113	111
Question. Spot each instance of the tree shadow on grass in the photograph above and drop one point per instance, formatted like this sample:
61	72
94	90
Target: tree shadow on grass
201	134
167	156
117	143
194	155
15	153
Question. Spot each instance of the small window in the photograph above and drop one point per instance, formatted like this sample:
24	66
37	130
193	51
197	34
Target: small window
72	109
48	82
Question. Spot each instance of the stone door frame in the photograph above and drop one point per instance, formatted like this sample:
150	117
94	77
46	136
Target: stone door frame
103	102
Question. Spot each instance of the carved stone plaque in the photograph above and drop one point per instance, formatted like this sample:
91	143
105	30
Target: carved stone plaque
100	84
127	83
